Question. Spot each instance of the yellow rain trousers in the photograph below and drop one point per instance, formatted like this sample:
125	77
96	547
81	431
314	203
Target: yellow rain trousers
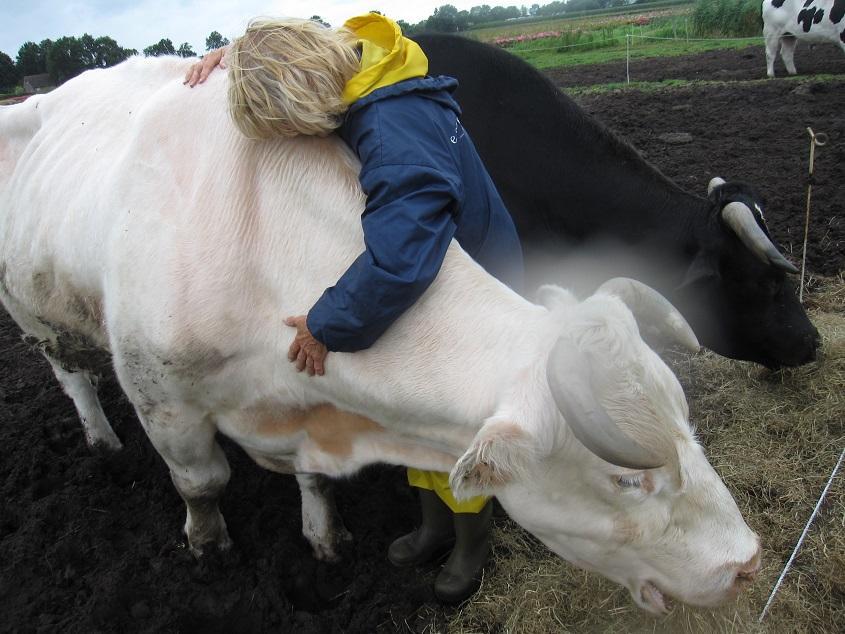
387	57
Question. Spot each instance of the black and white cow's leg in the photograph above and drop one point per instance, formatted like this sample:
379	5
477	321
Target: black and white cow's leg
787	53
322	525
772	46
79	385
185	439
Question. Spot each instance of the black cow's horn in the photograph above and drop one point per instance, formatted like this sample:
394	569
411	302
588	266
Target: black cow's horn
568	373
741	220
652	310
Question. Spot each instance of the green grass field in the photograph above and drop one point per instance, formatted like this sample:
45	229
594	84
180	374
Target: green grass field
594	39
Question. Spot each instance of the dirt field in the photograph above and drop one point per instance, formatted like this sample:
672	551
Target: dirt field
90	543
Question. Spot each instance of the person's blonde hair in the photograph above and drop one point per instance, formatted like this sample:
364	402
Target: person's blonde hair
287	76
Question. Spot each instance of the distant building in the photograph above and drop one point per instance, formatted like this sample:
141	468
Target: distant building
37	83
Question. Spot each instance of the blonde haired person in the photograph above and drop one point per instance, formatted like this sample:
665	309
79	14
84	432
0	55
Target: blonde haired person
425	185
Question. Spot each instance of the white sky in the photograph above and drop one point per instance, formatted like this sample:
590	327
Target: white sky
139	23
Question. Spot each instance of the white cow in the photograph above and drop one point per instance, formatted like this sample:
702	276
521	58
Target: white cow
787	21
135	219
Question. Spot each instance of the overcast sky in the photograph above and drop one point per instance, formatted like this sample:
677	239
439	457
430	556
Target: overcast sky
139	23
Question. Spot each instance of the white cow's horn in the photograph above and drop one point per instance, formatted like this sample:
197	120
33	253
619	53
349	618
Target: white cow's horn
652	310
741	220
568	373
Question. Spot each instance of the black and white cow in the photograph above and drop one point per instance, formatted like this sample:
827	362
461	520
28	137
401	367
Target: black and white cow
787	21
569	182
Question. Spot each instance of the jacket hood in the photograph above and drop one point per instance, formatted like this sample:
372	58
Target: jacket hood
387	57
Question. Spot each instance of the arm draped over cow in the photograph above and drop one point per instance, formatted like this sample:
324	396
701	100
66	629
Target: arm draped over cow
425	185
407	229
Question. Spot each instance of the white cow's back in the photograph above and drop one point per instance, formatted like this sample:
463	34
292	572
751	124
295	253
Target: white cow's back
190	241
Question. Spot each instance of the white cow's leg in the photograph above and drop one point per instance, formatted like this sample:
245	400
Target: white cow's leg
198	468
79	386
321	523
772	45
787	54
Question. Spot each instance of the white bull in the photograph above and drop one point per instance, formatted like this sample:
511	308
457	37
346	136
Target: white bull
135	219
787	21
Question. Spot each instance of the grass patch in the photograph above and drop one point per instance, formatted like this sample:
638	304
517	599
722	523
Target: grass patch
774	437
543	57
669	84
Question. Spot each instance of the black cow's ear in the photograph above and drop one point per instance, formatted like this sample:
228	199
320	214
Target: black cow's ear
700	269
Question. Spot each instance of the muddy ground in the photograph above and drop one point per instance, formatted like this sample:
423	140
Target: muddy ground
91	543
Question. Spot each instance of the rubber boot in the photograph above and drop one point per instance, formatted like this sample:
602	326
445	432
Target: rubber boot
433	538
461	576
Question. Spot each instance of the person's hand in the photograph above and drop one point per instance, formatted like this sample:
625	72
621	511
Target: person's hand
200	71
305	351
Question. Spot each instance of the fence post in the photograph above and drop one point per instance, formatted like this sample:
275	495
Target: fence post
627	58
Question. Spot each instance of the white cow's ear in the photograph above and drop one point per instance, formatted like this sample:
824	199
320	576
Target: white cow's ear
498	454
553	297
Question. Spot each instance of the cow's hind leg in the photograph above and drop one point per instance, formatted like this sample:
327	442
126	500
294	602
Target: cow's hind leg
787	53
79	385
321	523
185	439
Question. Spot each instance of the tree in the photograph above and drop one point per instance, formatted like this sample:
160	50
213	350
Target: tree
9	76
447	19
107	52
67	58
318	19
185	50
480	14
215	40
31	59
407	29
163	47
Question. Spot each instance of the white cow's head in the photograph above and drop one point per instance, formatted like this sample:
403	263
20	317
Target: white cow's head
616	483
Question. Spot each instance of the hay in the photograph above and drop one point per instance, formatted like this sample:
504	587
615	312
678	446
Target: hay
774	437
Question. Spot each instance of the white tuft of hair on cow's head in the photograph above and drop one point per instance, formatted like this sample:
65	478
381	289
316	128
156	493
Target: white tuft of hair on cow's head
554	297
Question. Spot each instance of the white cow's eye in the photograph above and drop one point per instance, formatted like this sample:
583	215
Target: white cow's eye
629	481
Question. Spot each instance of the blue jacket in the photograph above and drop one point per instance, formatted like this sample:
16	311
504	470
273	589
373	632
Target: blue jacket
425	184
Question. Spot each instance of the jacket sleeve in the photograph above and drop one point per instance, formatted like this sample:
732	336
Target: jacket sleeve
408	225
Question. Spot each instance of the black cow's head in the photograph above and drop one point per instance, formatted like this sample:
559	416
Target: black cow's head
744	297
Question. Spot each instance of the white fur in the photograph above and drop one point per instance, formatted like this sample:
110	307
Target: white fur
132	214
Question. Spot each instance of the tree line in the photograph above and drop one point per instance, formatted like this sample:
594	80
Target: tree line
67	57
448	19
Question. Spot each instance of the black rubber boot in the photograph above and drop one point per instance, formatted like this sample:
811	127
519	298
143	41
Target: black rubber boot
461	576
433	538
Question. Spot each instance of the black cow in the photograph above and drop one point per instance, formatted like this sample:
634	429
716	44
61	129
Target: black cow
569	181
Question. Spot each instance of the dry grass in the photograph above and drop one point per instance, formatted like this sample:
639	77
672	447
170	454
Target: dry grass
774	437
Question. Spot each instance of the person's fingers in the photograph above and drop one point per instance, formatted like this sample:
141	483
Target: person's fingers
319	367
309	365
207	66
290	321
293	351
300	360
193	74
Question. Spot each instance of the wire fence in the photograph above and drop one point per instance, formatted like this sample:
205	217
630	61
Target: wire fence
629	38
